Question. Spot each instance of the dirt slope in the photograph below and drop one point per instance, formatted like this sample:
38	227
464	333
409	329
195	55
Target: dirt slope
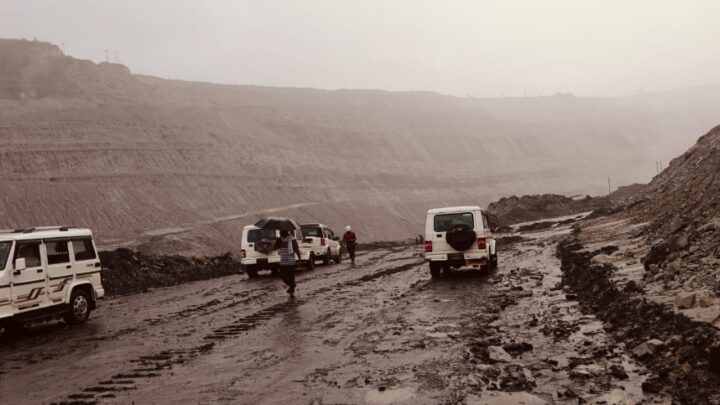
180	167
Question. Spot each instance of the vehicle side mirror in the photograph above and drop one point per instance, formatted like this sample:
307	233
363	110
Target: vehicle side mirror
20	264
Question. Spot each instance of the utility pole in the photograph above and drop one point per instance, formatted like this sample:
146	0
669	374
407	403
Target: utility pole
608	185
117	57
107	55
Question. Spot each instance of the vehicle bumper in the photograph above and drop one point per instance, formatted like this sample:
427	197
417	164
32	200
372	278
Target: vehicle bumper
474	259
250	262
99	293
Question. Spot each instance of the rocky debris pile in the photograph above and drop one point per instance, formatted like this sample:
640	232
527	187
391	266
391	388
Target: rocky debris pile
682	205
684	355
126	271
512	210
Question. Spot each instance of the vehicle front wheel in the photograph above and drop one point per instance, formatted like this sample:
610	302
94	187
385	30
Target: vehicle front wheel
311	262
327	258
435	270
338	258
79	310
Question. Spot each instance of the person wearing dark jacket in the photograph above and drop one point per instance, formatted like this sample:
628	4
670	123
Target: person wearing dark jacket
288	248
350	242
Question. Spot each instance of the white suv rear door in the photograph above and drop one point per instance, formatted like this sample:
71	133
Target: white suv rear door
59	268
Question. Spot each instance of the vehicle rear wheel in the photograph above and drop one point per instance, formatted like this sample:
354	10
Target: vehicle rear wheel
327	258
79	310
311	262
493	262
435	270
252	272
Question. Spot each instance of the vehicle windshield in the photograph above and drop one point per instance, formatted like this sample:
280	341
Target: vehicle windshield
255	235
445	222
311	232
4	252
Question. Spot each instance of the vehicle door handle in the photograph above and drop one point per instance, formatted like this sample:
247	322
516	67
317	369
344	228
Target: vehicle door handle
16	273
68	266
39	270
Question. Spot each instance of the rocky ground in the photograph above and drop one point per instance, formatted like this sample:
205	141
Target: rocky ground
379	333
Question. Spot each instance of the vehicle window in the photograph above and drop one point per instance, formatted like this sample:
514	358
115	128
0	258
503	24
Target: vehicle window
331	235
314	231
485	222
57	252
30	251
4	253
255	235
83	249
445	222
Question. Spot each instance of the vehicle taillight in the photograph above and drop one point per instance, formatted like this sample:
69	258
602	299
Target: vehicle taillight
428	246
481	244
322	241
242	253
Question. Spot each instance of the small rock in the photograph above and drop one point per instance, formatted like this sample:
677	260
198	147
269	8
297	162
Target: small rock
685	300
647	348
653	269
676	224
601	259
629	254
618	371
680	242
704	301
673	267
518	347
498	354
652	385
571	297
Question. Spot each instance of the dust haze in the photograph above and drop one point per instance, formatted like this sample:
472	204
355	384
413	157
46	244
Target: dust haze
476	48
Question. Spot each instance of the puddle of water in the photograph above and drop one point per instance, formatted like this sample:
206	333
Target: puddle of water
387	397
507	398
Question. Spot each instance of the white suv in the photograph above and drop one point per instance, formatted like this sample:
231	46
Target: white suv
458	237
257	251
323	242
48	271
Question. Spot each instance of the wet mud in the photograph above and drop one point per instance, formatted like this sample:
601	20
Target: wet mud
379	332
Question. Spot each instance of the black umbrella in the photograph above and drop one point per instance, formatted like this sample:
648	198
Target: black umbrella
279	223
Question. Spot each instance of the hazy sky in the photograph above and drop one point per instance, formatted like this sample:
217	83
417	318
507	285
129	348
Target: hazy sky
478	48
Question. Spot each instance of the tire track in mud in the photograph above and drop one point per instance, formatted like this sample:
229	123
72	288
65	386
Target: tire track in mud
154	365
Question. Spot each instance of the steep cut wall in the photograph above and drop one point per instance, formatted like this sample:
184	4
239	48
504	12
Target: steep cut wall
178	166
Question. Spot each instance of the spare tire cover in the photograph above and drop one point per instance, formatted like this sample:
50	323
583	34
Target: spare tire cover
461	237
265	246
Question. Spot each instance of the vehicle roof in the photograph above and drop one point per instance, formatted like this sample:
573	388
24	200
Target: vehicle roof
448	210
43	233
321	225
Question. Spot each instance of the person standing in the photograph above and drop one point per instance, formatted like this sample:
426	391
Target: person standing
350	242
287	248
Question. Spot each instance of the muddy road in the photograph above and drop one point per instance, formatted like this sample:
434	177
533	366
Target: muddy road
381	332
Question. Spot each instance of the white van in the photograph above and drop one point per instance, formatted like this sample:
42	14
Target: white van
257	250
48	271
457	237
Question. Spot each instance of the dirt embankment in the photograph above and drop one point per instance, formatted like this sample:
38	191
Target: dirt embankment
126	271
682	207
682	354
512	210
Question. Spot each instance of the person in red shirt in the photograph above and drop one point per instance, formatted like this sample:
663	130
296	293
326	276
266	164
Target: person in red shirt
350	242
